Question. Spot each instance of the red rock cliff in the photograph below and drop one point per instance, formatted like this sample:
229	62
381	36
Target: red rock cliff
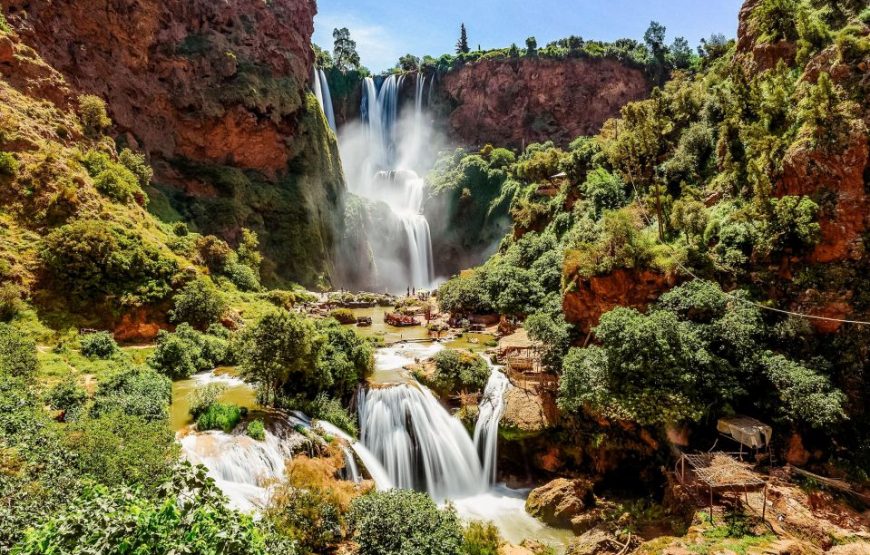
215	94
533	100
182	76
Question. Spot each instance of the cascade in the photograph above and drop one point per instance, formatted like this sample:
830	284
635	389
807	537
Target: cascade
490	409
418	443
382	166
324	97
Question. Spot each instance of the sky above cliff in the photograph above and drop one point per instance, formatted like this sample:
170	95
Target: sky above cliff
387	29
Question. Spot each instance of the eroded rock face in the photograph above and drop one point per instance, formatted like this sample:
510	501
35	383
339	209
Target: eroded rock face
562	503
592	297
215	93
181	74
514	103
760	56
528	412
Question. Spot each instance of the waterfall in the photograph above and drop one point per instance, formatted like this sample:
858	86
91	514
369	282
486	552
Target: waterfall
419	444
491	408
321	90
383	165
370	462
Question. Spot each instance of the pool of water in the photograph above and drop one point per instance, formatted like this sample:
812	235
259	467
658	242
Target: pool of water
390	334
237	392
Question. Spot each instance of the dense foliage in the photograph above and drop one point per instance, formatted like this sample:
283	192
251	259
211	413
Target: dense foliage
457	371
401	522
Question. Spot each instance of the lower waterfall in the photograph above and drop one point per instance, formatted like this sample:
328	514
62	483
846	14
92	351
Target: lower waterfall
491	408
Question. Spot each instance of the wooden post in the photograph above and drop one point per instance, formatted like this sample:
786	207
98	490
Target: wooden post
764	505
711	504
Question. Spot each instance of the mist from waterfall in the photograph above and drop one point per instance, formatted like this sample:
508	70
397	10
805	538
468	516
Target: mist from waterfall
383	156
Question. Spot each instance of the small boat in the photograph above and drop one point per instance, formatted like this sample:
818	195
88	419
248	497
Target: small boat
364	322
400	320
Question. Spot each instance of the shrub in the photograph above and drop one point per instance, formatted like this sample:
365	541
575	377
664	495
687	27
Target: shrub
332	411
242	276
204	397
10	301
92	111
189	515
137	165
136	391
281	299
399	522
256	430
605	190
481	538
215	253
120	449
199	304
67	395
306	511
187	351
219	416
459	371
343	316
8	164
98	345
17	353
119	184
88	261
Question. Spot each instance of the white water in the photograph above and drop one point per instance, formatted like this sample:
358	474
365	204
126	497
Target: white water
321	90
243	467
419	444
491	408
383	158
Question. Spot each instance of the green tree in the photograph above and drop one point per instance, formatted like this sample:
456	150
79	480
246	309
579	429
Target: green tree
344	50
680	53
136	391
67	396
280	347
690	217
409	62
462	43
806	395
459	371
654	37
98	345
199	304
532	47
403	522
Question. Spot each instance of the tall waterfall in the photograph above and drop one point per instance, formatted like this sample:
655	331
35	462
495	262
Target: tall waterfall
423	447
324	97
382	160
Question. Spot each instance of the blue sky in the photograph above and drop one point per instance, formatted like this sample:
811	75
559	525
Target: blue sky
387	29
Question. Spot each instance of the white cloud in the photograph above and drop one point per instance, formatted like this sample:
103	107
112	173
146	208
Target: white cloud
376	46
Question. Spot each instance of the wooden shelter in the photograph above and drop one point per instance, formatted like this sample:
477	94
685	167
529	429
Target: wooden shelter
718	472
521	357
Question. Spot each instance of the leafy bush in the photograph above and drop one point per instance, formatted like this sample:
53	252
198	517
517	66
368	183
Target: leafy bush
242	276
189	516
10	301
343	316
399	522
204	397
89	261
219	416
67	395
256	430
310	515
806	395
119	184
481	538
137	165
17	353
136	391
199	304
8	164
332	411
457	371
605	190
464	294
98	345
92	111
187	351
120	449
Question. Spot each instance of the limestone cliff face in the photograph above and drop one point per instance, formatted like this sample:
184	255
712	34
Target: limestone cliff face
512	103
215	94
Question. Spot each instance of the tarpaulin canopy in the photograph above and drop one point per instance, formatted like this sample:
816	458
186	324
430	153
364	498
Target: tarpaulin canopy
746	430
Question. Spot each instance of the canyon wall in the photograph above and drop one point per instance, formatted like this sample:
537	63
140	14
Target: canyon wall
517	102
216	95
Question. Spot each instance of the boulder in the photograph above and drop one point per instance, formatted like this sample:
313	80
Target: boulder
562	503
594	542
